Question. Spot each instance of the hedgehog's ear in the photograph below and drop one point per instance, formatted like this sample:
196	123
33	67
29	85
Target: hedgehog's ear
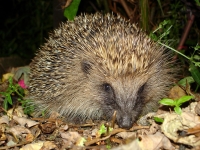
86	66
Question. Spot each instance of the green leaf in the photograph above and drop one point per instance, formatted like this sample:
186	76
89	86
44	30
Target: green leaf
178	110
160	5
197	64
10	80
21	90
5	104
184	99
108	146
197	57
189	80
28	108
153	36
195	73
159	120
197	2
3	93
71	10
8	99
168	102
102	129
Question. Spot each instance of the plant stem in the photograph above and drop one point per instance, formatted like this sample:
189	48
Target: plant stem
175	51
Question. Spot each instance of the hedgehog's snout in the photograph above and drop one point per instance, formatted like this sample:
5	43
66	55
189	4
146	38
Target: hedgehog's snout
125	121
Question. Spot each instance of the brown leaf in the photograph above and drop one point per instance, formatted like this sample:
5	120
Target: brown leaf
33	146
195	130
148	142
18	131
197	108
47	127
24	121
4	119
48	146
176	92
70	137
174	123
29	137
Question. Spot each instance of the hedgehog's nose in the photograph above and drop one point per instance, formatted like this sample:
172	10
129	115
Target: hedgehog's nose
125	122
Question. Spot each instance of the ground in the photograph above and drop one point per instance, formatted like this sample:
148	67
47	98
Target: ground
170	130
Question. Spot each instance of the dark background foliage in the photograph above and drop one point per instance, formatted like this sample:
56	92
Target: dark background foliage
25	24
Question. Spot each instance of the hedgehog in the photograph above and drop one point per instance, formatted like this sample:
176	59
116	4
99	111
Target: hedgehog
96	65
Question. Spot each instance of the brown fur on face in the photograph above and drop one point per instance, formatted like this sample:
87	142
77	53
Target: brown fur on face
96	65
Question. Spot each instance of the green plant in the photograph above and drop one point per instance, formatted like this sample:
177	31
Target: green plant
176	103
19	91
26	105
144	9
23	20
183	82
12	88
71	10
197	2
193	60
168	30
103	129
162	34
159	120
108	146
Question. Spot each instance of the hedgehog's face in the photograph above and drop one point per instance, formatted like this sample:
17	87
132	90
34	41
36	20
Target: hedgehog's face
126	97
125	94
123	76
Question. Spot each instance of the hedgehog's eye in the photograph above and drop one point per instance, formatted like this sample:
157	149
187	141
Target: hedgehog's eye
107	87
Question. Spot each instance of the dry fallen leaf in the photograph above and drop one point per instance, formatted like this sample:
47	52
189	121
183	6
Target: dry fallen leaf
125	135
197	108
70	137
18	130
80	141
3	137
4	119
176	92
6	76
48	145
64	127
148	142
190	108
95	132
33	146
174	123
16	112
24	121
153	128
146	119
194	130
47	127
29	137
11	143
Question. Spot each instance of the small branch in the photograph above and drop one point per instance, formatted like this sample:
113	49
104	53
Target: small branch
186	31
